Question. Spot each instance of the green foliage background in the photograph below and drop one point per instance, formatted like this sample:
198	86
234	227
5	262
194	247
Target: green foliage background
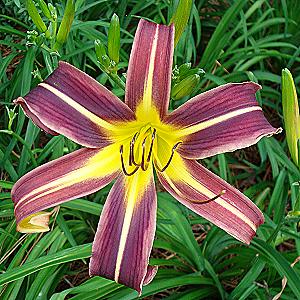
232	41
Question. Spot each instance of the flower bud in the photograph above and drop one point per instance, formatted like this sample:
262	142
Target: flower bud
185	72
113	43
101	54
53	11
185	87
291	114
11	116
45	9
183	69
36	18
65	25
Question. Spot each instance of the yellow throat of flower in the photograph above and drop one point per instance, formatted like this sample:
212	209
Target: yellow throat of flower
145	142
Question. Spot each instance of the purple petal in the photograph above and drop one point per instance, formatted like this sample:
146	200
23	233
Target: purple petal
195	187
125	234
220	120
150	65
72	103
71	176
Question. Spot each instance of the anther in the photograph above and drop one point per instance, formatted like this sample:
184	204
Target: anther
131	151
151	146
209	200
143	166
123	165
170	159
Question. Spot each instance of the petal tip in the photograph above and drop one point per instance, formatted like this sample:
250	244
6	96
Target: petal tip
278	130
63	64
150	274
19	101
35	223
256	86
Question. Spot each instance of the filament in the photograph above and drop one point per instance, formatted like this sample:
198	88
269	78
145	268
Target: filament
123	165
144	168
170	159
145	158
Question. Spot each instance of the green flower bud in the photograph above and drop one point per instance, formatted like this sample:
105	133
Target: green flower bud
53	11
185	87
11	116
31	37
65	25
101	54
45	9
36	18
183	69
291	114
113	43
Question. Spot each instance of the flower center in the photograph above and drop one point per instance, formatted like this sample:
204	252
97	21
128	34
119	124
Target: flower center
141	151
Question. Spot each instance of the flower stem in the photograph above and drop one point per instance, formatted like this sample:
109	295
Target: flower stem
117	80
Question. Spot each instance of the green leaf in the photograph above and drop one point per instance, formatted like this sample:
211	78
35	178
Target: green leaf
71	254
279	263
220	37
258	265
84	206
180	18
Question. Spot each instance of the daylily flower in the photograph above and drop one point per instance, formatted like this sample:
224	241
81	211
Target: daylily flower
127	142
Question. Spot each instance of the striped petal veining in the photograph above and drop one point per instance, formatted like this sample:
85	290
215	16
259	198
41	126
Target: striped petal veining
74	104
149	70
71	176
194	186
223	119
125	234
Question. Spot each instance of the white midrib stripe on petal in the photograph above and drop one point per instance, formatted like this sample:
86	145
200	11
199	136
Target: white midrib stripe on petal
130	199
216	120
147	96
82	110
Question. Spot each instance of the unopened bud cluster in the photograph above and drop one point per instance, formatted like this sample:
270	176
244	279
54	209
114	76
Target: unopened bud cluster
185	80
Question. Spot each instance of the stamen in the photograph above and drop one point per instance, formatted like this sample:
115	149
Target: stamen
151	146
170	159
131	151
209	200
123	165
144	168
